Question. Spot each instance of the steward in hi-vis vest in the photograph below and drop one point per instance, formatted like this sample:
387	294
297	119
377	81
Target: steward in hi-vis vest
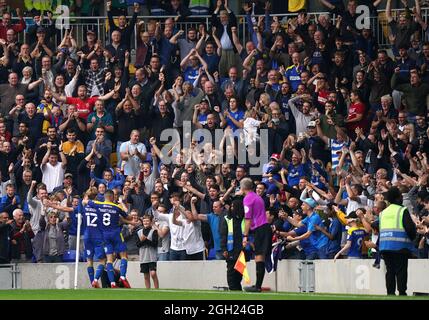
231	241
393	236
397	232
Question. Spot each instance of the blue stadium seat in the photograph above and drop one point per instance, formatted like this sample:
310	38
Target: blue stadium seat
70	256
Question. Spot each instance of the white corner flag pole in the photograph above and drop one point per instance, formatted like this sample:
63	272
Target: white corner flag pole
76	266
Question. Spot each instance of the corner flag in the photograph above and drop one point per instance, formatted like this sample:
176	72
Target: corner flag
240	266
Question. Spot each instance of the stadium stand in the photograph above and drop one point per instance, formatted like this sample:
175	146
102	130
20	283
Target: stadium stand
169	111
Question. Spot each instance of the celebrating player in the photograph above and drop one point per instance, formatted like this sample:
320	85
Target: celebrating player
109	214
93	237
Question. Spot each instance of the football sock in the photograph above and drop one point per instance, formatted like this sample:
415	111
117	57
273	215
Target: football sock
99	271
123	267
110	272
260	273
90	273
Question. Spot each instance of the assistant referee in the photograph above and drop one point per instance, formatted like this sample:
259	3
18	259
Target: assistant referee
256	222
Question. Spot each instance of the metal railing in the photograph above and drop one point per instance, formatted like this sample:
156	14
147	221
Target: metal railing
100	25
9	276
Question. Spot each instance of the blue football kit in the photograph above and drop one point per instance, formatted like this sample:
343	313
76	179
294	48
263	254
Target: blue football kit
92	237
108	214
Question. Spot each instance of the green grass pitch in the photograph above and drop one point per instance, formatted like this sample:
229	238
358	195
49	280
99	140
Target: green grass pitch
143	294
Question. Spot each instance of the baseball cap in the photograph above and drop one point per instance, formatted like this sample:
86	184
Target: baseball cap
311	202
41	30
204	100
275	156
68	175
311	124
90	32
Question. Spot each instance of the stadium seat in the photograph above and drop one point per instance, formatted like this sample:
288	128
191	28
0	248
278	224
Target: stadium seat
70	256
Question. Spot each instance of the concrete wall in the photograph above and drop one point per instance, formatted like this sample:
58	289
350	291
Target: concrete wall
203	275
349	276
359	277
51	276
343	276
288	276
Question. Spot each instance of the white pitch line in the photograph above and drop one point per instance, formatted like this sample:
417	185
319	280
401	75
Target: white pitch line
320	295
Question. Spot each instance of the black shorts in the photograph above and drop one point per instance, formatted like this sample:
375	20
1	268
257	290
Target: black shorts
262	236
146	267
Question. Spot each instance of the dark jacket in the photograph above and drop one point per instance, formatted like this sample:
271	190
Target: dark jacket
126	32
159	122
131	239
6	159
59	230
5	237
138	201
164	198
237	234
147	243
232	22
182	11
83	173
409	225
32	31
148	90
277	134
414	96
23	242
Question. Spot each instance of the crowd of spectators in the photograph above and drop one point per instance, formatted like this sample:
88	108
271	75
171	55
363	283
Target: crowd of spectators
345	122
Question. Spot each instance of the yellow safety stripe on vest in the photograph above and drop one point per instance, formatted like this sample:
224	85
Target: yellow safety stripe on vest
230	225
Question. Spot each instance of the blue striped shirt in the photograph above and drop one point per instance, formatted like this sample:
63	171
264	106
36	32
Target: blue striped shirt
335	147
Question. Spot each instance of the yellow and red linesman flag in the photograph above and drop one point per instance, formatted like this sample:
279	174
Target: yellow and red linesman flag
240	266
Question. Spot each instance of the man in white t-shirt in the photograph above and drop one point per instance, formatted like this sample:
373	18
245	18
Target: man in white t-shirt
194	242
177	246
133	153
355	198
164	237
192	236
52	169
